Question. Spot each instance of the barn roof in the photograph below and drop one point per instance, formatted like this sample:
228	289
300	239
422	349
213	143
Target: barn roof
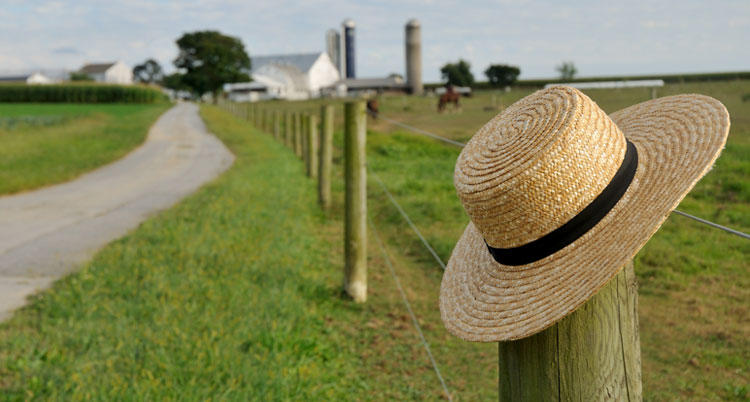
302	61
96	68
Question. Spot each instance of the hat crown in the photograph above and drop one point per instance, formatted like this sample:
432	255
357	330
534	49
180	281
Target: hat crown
536	165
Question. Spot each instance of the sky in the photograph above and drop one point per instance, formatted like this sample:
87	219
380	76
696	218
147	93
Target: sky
600	37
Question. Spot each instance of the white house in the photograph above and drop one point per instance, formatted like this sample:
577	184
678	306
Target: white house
292	77
33	78
110	73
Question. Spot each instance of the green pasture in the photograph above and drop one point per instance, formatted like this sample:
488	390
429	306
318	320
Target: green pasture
695	287
43	144
235	293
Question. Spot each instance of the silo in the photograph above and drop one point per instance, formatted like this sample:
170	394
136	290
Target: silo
348	48
414	57
333	41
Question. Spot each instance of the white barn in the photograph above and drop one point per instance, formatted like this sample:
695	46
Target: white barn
292	77
110	73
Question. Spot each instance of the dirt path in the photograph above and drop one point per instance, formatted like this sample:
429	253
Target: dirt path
47	233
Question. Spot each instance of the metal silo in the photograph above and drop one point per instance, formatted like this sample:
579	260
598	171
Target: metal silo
414	57
333	45
348	47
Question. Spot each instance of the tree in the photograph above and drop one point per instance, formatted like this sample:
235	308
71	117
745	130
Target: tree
174	81
567	70
458	74
502	75
76	76
209	60
149	72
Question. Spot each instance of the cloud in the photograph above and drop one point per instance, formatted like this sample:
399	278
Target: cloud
602	38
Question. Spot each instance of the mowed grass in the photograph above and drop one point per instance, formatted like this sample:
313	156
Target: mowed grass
694	281
235	294
43	144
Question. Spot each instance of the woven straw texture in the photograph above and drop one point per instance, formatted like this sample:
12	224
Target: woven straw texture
539	163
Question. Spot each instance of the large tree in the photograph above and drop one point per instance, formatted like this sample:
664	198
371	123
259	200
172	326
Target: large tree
210	59
149	72
502	75
458	74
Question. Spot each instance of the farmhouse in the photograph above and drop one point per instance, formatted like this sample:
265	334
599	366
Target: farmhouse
292	77
111	73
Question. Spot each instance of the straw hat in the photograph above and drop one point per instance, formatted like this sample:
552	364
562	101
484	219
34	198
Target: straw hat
561	196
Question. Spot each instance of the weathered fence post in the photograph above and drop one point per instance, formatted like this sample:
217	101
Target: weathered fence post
593	354
355	236
276	125
326	156
288	129
297	134
304	121
312	146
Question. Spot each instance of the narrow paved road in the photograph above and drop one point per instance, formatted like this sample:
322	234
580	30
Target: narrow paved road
47	233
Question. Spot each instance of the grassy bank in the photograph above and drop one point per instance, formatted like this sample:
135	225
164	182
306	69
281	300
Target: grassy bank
43	144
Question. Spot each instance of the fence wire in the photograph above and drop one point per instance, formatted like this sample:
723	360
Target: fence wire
389	263
406	217
461	144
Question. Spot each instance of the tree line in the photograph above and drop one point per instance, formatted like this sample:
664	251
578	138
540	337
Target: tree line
498	75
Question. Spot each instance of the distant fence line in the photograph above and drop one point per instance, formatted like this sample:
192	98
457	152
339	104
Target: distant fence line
667	78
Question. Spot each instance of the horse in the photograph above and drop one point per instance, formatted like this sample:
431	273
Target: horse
450	96
372	108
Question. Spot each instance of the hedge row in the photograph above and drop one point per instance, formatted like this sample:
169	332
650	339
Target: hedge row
668	79
79	93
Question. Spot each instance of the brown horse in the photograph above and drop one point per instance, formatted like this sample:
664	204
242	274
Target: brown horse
372	108
450	96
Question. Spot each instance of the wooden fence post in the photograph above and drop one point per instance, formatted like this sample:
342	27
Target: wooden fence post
276	125
297	134
355	233
312	146
288	129
304	121
326	156
593	354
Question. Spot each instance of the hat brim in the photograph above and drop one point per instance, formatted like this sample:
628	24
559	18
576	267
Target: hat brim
678	138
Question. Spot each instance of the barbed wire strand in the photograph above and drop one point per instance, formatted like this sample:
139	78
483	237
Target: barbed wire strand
406	217
716	225
461	144
389	263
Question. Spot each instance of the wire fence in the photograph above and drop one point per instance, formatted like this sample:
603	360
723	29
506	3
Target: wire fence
389	263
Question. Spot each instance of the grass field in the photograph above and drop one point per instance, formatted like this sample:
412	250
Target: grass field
235	293
43	144
695	287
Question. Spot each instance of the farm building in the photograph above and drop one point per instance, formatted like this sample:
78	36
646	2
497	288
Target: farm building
369	85
111	73
292	77
33	78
